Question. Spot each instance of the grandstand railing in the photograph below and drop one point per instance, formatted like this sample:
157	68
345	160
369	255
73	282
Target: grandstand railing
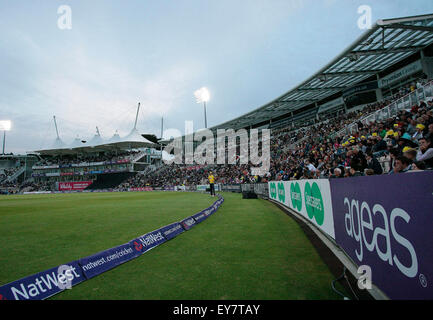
405	102
16	174
138	156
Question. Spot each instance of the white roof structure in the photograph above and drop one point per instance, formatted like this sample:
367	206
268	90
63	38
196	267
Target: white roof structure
96	140
76	143
115	138
133	140
58	143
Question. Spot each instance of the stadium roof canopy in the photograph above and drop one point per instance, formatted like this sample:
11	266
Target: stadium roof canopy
133	140
385	44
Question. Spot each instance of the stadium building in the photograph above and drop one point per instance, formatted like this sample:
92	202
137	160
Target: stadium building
373	101
97	163
394	55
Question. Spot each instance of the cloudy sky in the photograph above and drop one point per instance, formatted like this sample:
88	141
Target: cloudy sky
158	52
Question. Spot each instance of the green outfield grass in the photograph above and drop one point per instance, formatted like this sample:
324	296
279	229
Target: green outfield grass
249	249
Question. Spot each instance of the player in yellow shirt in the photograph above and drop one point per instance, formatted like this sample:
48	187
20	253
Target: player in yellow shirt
211	179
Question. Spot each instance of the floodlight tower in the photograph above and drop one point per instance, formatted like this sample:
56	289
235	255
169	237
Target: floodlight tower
5	125
202	95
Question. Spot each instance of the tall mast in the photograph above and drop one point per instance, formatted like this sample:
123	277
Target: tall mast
136	117
162	126
55	124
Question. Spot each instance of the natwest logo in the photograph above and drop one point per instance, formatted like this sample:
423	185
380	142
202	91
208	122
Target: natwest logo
138	246
359	224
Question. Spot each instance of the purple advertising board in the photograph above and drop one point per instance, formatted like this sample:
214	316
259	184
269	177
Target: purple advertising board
148	241
386	223
44	284
188	223
171	231
108	259
201	216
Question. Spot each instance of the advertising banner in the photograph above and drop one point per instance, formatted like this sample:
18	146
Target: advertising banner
400	74
261	189
43	284
209	211
108	259
231	187
201	216
148	241
50	282
310	198
74	186
141	189
386	223
188	223
331	105
172	230
368	86
204	187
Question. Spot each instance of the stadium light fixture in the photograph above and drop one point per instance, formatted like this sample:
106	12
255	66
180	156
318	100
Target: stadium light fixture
203	95
5	125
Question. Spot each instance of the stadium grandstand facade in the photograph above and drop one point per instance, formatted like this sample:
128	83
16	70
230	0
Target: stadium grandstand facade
392	54
384	72
369	112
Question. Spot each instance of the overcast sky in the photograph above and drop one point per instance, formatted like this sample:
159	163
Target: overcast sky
158	52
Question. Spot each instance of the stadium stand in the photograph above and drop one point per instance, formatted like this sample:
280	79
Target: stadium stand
359	115
321	151
327	149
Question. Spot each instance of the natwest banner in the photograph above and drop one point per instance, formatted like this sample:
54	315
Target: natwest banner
386	223
74	186
43	284
108	259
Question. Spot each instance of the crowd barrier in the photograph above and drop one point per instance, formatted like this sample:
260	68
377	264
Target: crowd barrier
231	188
261	189
55	280
384	222
205	187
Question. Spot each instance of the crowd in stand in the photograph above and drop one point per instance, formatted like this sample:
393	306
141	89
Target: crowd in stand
400	144
78	159
8	172
12	187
